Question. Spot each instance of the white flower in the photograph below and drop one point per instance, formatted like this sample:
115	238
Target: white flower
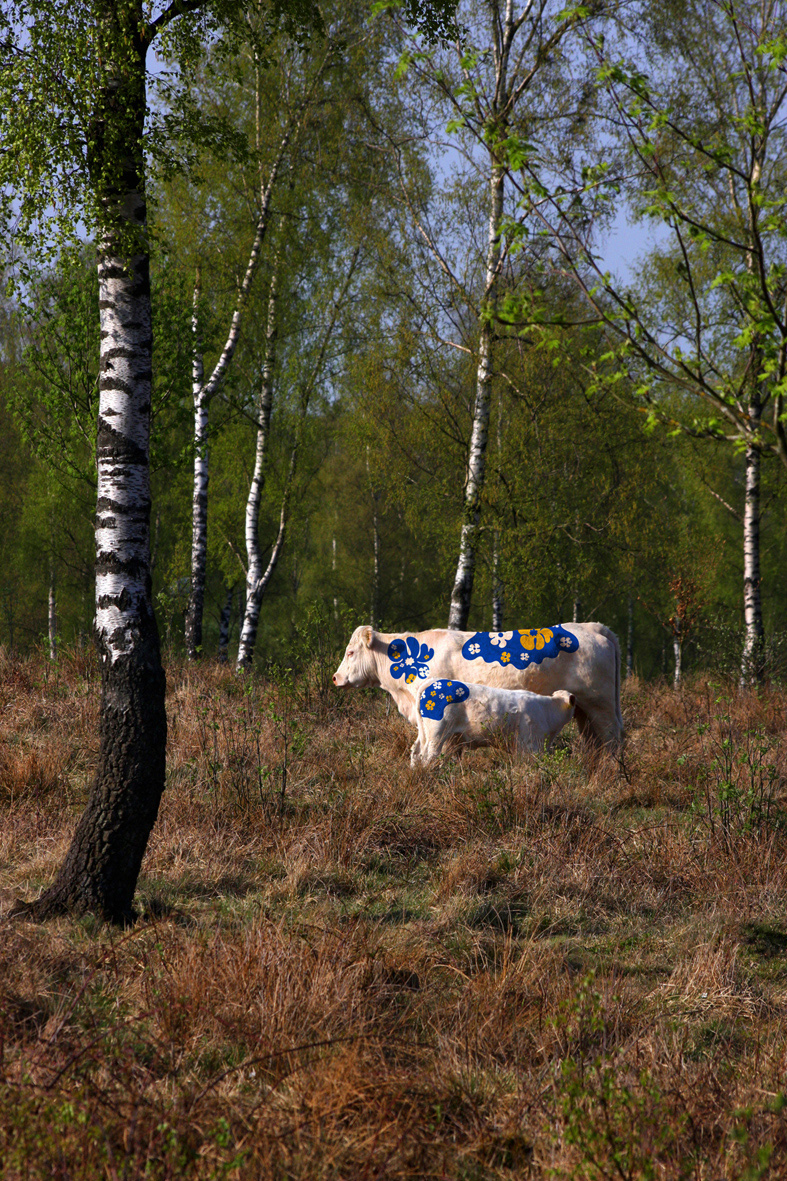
475	649
409	660
500	639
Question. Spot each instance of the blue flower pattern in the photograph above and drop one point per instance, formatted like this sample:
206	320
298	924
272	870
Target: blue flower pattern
521	648
409	659
442	693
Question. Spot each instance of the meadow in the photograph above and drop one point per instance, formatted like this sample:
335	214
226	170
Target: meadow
347	969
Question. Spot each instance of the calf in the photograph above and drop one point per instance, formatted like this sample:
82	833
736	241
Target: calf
477	711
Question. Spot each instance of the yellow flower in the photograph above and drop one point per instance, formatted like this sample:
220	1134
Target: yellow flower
504	659
537	638
430	705
408	680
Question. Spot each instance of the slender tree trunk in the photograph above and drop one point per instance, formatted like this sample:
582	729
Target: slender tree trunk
374	605
333	581
752	663
52	612
497	585
630	638
254	570
577	607
374	614
257	581
256	592
204	391
224	625
497	579
99	874
461	595
677	649
199	503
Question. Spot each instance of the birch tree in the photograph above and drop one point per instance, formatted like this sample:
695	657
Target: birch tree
489	94
259	574
288	123
701	155
73	109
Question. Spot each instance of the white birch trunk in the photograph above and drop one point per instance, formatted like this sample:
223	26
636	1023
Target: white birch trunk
257	580
462	592
752	662
461	595
100	870
204	391
199	501
256	592
677	649
254	570
123	507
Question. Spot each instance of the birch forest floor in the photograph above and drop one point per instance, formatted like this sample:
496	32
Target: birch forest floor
347	969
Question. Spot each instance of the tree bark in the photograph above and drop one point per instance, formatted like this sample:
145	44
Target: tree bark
99	874
199	503
52	611
462	593
677	650
630	638
497	585
374	605
224	625
254	571
752	662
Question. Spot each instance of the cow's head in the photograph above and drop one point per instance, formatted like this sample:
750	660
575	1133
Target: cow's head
358	668
567	700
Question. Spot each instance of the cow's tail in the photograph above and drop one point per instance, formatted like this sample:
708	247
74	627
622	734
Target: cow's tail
608	634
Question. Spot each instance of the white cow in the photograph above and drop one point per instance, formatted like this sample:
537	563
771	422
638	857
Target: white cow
448	707
582	658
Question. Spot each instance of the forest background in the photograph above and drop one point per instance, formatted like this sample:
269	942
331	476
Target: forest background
432	272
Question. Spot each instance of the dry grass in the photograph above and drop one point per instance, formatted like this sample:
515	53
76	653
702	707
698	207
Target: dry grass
348	969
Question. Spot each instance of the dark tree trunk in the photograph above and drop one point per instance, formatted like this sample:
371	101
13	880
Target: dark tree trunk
630	639
99	874
224	625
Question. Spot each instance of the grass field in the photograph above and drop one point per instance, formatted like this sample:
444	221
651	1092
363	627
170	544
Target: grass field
347	969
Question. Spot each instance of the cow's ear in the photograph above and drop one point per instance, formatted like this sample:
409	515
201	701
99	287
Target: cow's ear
572	699
367	635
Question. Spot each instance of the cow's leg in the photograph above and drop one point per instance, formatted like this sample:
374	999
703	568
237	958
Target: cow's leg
433	737
599	727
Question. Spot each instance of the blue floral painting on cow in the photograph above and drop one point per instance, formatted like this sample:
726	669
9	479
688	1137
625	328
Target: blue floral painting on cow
409	659
520	648
442	693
